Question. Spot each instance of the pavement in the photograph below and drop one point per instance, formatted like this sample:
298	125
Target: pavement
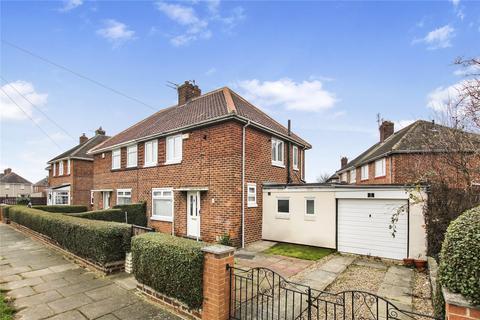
45	285
397	287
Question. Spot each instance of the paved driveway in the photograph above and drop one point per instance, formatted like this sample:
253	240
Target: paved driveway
47	286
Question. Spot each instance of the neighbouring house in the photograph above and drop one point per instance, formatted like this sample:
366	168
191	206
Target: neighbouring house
13	185
70	174
40	188
414	153
200	165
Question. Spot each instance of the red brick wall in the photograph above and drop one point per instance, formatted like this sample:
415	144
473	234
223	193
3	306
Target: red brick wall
212	157
454	312
386	179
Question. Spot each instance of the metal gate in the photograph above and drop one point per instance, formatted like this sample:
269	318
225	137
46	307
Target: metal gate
260	293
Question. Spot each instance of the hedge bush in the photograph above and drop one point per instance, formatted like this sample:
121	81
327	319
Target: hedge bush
5	210
99	241
170	265
136	212
62	209
114	215
459	269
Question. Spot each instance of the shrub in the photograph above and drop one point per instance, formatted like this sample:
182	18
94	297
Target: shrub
225	240
99	241
460	256
170	265
115	215
136	213
62	209
22	200
5	210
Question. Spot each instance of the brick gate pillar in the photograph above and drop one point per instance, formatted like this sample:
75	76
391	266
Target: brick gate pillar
216	282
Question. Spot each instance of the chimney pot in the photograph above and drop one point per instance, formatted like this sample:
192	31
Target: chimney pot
100	131
387	128
7	171
187	91
343	162
83	138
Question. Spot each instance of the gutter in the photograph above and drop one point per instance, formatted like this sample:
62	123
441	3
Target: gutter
243	182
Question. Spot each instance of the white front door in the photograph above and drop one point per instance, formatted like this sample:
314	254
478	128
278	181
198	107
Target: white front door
106	199
193	214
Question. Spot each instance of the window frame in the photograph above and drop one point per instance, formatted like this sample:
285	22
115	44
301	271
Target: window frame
22	186
54	169
129	148
60	168
63	194
274	154
282	215
172	198
172	159
154	162
383	162
353	174
310	216
7	187
116	153
123	195
362	177
68	166
251	204
295	158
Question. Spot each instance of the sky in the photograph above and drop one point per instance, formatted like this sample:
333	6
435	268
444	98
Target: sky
69	67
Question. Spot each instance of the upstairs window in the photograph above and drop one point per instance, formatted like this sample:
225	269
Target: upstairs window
7	187
54	169
151	153
277	152
251	195
380	168
174	149
60	168
124	196
295	157
364	172
68	166
132	153
343	177
22	187
116	159
162	204
353	175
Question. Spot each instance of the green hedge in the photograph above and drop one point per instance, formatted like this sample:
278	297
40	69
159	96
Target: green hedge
5	215
137	213
62	209
114	215
99	241
459	269
170	265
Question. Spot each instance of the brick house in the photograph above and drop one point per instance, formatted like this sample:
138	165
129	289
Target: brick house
190	163
70	174
13	185
409	154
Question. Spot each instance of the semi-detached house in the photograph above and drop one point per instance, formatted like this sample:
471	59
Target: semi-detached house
199	165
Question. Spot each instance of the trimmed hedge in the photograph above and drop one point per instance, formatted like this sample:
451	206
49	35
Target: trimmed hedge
459	269
62	209
137	213
99	241
114	215
5	214
170	265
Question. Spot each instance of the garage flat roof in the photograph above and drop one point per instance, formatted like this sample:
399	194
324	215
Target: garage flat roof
336	186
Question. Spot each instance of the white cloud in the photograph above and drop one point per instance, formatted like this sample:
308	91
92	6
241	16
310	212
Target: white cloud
210	71
70	5
302	96
470	70
455	2
400	124
440	98
116	32
439	38
9	110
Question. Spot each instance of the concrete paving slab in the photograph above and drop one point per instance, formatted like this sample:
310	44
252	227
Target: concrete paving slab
20	283
7	271
106	306
69	315
107	317
21	292
36	273
39	298
37	312
106	292
51	285
82	287
371	264
338	264
13	277
64	267
69	303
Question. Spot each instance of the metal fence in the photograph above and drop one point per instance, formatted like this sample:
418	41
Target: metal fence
34	200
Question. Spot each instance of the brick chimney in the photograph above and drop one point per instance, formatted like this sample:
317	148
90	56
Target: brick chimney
83	138
7	171
387	128
187	91
100	131
343	162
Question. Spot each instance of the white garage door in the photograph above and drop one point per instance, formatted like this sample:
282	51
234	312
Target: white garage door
363	228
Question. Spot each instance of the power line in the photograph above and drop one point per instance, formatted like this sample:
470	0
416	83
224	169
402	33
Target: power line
38	109
98	83
41	129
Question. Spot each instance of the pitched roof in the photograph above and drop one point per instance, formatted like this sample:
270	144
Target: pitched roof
420	136
80	150
217	105
12	177
42	183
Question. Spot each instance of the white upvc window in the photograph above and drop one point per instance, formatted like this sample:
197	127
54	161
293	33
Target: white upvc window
62	197
251	194
60	168
7	187
364	170
309	206
380	167
343	177
295	157
174	149
277	152
132	156
116	159
54	169
124	196
22	187
151	153
92	197
353	175
68	166
162	204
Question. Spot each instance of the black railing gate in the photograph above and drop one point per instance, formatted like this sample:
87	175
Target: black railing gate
260	293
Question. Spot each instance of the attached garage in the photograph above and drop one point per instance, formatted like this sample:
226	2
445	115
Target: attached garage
351	219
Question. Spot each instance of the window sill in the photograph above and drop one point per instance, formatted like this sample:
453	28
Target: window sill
132	167
165	219
252	205
310	217
295	169
172	162
150	165
381	177
283	216
277	164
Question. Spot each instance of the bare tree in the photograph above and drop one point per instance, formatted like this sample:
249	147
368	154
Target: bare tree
323	177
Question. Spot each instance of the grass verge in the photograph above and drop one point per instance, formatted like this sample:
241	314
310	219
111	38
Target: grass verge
299	251
6	312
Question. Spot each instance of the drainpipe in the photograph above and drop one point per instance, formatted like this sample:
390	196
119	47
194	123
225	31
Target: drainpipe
289	174
243	182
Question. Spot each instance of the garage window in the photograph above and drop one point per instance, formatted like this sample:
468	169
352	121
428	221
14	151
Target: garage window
309	206
283	206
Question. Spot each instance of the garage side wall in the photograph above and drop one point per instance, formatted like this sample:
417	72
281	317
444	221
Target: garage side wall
297	227
418	234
